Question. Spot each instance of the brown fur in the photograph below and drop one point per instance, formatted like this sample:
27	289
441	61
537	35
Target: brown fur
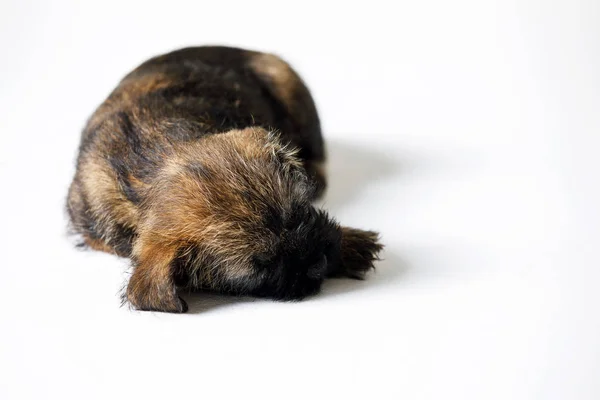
200	167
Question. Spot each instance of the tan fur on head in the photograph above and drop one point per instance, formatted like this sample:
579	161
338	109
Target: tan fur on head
202	198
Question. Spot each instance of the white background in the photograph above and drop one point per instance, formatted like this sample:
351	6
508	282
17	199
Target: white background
466	132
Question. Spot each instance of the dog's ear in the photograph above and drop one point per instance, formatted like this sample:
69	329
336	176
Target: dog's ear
151	286
359	250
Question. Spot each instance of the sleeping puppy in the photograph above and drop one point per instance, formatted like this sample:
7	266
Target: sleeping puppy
201	167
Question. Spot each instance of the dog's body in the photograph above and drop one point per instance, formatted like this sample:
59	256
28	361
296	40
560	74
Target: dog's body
179	169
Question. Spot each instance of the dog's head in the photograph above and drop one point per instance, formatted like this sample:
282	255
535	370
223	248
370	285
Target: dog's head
237	207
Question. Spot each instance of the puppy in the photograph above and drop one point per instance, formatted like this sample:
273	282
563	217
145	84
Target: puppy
201	167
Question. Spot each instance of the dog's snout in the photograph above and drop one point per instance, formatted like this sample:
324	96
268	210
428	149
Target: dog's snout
317	270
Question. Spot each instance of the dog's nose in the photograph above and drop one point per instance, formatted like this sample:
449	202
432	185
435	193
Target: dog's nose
317	270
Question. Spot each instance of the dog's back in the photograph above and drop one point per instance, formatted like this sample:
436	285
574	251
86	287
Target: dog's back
179	97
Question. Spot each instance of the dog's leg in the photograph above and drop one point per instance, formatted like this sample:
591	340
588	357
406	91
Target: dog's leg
359	250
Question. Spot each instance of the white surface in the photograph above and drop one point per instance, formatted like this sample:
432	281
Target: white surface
466	132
